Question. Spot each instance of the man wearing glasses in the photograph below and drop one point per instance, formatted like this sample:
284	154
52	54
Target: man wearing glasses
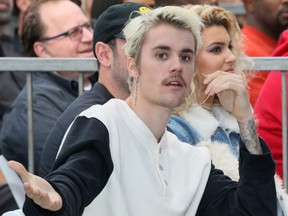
51	28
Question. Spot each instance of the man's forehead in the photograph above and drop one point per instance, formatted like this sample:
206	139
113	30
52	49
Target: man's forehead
59	18
158	39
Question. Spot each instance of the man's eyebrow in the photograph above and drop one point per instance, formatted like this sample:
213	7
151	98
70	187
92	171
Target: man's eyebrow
163	47
188	50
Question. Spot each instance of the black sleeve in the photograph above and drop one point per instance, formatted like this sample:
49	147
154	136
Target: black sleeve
254	194
81	170
51	148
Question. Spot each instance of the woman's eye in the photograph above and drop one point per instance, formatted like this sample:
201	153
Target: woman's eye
215	50
230	47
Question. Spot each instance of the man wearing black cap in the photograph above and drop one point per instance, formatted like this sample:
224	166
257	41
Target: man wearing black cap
112	83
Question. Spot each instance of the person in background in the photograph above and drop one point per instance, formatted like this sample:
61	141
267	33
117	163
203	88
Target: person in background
123	149
261	34
20	6
268	108
11	84
108	41
220	55
47	33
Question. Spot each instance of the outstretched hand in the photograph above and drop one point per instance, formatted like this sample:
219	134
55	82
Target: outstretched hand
232	93
37	188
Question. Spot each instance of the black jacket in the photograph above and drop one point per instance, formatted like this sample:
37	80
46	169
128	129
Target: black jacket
97	95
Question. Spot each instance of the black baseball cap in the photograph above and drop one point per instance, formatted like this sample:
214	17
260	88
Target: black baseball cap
110	23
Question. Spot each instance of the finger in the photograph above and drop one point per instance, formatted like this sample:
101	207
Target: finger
28	190
41	197
234	87
225	83
36	195
19	169
212	76
222	75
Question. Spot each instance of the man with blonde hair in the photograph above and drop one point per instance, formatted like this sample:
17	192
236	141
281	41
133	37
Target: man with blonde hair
119	158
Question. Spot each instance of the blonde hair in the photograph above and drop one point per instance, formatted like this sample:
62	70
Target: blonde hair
216	16
136	30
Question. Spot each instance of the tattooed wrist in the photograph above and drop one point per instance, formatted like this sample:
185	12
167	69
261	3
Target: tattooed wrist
249	136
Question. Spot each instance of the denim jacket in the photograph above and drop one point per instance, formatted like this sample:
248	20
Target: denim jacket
197	124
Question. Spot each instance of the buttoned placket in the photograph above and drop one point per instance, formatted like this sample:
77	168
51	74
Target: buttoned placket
161	166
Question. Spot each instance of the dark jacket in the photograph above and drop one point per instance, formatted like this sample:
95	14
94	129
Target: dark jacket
52	94
97	95
11	82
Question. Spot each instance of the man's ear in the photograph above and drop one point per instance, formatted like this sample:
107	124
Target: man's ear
103	53
132	68
40	49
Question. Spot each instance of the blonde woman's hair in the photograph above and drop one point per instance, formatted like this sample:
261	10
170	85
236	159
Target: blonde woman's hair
216	16
136	30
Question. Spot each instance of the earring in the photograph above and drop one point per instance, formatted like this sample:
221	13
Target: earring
136	91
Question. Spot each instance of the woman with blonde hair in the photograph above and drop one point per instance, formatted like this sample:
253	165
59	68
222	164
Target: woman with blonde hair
208	117
220	55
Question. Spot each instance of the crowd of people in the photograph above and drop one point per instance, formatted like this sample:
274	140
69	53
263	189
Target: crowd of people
179	141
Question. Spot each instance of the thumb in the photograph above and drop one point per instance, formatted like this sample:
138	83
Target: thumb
19	169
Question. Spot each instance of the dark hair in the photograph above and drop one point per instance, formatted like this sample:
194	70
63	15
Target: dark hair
32	28
99	6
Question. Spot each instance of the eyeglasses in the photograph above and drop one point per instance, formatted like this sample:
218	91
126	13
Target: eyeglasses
74	33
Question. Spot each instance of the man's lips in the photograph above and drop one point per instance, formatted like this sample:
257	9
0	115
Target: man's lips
174	82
